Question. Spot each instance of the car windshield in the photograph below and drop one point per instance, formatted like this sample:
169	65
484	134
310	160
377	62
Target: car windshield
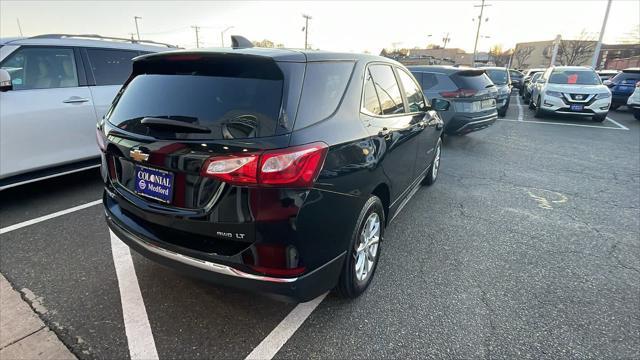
577	77
499	77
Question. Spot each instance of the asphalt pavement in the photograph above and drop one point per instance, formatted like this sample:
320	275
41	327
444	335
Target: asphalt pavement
526	247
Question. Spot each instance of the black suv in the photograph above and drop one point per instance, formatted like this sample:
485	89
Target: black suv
271	170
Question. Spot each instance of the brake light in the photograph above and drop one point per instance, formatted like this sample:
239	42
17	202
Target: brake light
239	170
460	93
297	166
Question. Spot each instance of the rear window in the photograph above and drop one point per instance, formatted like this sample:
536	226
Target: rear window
499	77
437	82
472	79
578	77
234	100
323	88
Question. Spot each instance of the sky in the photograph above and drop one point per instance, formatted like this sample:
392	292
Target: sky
353	26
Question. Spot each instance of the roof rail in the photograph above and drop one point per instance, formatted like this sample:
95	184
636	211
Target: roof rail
100	37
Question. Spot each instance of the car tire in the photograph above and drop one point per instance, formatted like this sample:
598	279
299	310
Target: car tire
636	114
434	169
353	279
599	118
538	110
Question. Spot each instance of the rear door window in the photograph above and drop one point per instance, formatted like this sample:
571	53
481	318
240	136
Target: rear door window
110	67
415	99
323	88
387	88
42	68
472	79
235	98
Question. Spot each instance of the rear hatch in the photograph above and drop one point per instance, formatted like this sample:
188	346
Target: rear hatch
476	93
176	113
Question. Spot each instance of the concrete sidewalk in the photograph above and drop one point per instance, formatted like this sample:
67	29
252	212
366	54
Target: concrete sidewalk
22	334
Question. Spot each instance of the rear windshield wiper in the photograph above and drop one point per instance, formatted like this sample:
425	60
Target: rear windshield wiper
174	125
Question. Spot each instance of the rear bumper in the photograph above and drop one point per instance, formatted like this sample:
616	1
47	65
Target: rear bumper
461	124
298	289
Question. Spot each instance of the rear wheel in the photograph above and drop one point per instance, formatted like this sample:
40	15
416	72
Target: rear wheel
538	113
432	174
364	250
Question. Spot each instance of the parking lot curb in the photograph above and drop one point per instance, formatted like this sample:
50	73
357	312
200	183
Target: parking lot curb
23	335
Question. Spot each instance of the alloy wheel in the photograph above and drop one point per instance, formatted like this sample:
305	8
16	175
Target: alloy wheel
367	247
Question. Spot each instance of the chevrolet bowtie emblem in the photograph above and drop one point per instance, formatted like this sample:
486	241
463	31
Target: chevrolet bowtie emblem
138	155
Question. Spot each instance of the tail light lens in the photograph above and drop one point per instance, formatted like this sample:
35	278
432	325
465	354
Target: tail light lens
239	170
460	93
297	166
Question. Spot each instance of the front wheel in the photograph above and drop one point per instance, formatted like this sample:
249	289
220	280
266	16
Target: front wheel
432	174
538	113
364	250
599	118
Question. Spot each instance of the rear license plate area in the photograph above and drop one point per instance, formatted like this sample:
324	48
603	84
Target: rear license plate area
153	183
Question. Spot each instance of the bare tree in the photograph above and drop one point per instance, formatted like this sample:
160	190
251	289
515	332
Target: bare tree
577	52
264	43
522	54
499	57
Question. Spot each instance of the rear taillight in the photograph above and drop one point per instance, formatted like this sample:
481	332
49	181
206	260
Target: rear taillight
460	93
297	166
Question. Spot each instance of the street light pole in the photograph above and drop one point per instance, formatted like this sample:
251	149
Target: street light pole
306	29
222	34
135	18
475	46
596	54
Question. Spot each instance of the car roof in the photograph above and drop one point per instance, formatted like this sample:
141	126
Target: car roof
443	69
572	68
96	41
278	54
494	68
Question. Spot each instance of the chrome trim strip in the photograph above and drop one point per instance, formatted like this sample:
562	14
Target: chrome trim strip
201	264
49	176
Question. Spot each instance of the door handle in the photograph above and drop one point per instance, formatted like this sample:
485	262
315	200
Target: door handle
74	100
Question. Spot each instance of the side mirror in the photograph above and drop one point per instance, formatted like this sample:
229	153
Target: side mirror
5	80
440	104
607	82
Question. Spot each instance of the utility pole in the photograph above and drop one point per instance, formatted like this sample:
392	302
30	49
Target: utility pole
135	18
222	34
19	27
197	28
596	54
445	40
475	46
306	28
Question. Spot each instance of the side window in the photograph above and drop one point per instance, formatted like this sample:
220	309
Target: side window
415	100
110	67
42	68
370	100
387	88
324	86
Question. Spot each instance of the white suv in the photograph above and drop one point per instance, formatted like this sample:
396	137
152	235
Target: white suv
54	89
633	103
571	90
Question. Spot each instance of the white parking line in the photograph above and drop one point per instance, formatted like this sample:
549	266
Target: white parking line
566	124
136	322
617	123
17	226
268	348
520	114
